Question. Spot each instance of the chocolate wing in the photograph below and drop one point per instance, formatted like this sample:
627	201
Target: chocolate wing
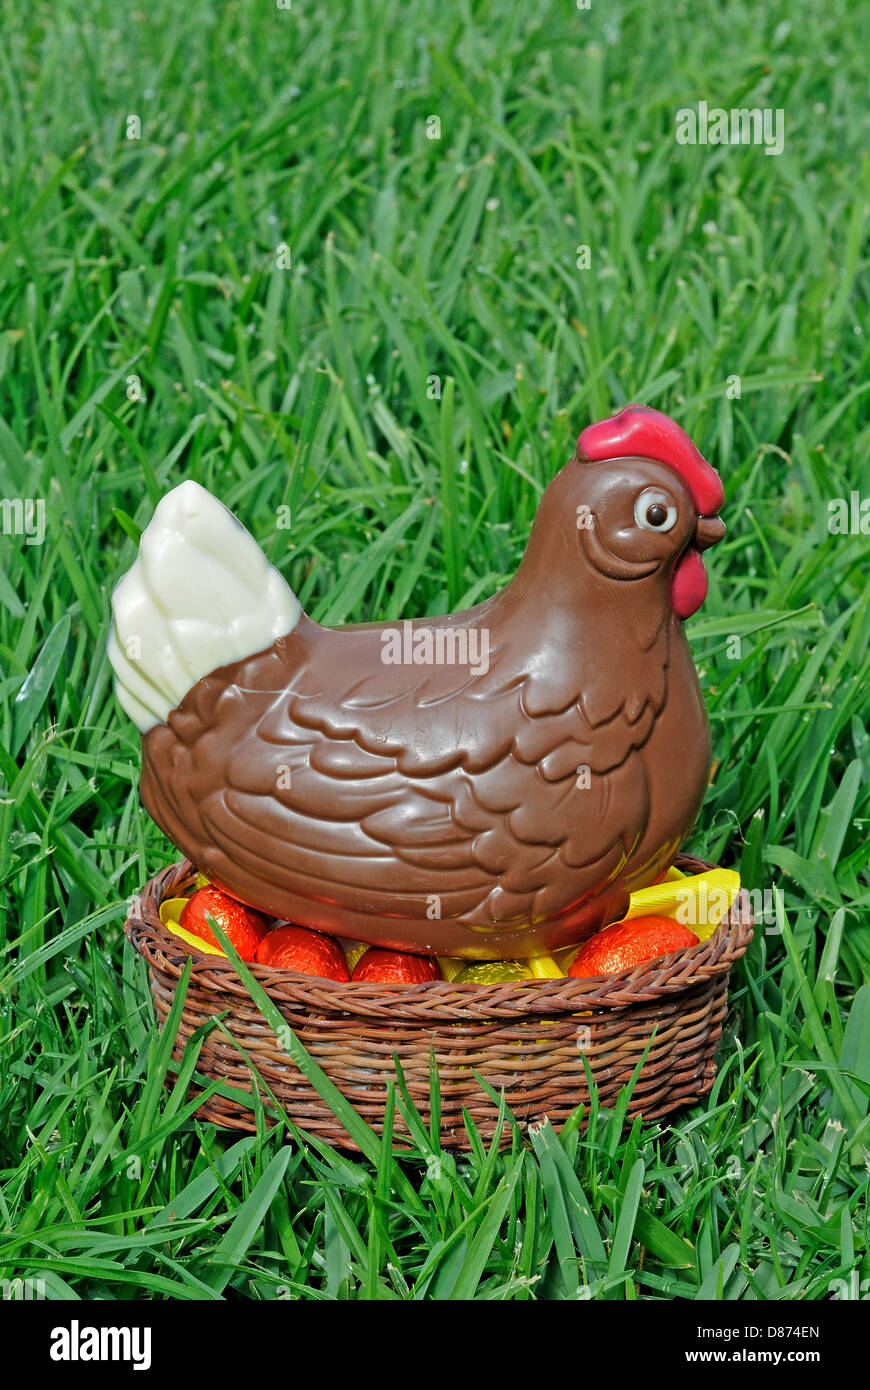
301	782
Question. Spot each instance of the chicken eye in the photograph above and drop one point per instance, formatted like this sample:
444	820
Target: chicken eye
653	511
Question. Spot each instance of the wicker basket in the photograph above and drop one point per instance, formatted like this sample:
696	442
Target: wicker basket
523	1037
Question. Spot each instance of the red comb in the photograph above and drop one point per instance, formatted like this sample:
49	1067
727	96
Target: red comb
645	433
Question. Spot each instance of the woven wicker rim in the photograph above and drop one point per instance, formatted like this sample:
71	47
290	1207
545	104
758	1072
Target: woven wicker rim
669	975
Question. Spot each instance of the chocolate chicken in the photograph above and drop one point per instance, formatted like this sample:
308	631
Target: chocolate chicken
485	784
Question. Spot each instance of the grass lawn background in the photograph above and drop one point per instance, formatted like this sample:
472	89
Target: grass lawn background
313	388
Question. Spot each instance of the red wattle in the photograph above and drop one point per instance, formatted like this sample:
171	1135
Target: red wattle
688	584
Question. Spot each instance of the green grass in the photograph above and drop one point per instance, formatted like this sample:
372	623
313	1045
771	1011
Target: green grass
312	388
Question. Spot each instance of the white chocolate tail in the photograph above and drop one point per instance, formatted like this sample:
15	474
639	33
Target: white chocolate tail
200	594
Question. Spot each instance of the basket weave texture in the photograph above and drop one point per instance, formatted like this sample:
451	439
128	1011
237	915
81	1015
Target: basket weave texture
527	1037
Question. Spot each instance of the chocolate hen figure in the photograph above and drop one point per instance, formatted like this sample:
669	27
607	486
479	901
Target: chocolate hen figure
486	784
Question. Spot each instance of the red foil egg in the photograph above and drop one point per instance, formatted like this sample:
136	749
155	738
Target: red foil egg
243	925
394	968
626	944
308	952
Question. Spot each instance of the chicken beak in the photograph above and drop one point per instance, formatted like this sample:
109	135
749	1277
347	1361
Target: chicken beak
708	531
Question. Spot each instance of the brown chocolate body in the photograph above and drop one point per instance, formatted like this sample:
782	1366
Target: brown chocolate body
439	810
